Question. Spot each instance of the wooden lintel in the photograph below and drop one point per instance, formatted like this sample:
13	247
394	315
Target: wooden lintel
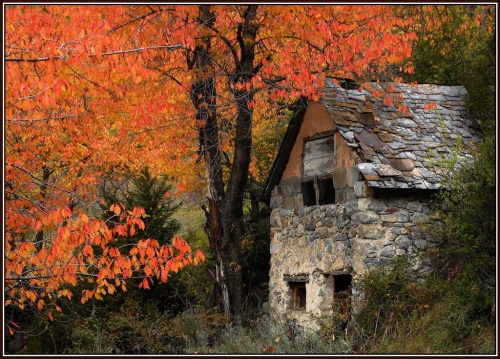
297	278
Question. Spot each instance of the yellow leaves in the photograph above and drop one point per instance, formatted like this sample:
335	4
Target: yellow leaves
65	293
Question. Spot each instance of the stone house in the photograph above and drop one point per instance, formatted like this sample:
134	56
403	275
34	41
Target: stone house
353	177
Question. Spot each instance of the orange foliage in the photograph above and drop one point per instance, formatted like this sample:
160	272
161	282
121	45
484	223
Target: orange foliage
94	90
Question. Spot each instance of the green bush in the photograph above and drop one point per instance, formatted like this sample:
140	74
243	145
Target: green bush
403	316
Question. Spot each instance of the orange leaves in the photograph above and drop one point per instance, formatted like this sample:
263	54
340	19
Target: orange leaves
430	106
117	208
89	112
164	275
181	187
144	284
87	250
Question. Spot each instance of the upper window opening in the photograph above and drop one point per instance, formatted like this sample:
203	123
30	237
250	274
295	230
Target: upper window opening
308	193
318	165
326	191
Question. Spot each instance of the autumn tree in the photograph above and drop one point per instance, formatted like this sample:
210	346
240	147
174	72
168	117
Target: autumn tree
92	89
66	133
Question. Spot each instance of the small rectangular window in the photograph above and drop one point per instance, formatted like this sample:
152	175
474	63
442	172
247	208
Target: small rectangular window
297	285
299	295
326	191
342	290
308	193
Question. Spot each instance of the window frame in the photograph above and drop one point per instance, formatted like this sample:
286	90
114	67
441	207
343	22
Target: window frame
298	291
323	195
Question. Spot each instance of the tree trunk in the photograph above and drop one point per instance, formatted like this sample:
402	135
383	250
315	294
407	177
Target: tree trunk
224	224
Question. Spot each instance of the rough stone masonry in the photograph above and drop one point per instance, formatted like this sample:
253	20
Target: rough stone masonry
355	235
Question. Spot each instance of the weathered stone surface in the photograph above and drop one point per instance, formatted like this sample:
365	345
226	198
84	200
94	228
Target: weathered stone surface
286	190
340	196
351	176
275	248
386	170
368	248
275	218
388	251
361	189
365	217
419	217
339	178
360	232
276	202
372	204
370	231
350	195
288	202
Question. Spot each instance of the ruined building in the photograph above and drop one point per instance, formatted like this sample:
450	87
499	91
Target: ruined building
353	178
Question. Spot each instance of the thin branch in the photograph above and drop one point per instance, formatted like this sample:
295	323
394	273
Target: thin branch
134	20
118	52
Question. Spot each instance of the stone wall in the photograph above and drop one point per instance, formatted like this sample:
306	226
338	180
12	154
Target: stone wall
365	231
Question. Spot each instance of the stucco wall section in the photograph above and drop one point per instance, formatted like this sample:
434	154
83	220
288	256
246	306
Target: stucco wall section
316	120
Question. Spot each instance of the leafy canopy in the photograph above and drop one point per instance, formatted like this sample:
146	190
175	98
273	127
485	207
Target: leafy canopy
92	91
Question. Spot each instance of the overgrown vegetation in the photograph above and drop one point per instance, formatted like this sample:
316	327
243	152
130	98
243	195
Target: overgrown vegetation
404	316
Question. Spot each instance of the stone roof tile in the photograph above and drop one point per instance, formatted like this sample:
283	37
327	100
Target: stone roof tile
412	136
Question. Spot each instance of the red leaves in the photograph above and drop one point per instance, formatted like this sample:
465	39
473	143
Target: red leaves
144	284
107	106
164	275
181	187
430	106
87	250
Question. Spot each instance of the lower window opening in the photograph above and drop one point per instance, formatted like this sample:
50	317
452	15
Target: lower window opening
299	295
342	290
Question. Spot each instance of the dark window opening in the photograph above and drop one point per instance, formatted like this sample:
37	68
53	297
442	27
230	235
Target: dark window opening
342	290
326	191
308	193
299	295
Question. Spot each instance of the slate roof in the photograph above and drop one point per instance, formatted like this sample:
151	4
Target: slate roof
398	149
